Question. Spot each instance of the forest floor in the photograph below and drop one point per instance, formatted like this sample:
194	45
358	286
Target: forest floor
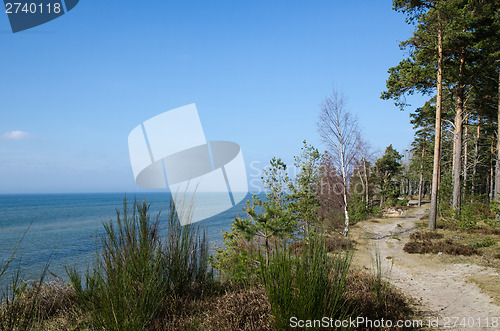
454	292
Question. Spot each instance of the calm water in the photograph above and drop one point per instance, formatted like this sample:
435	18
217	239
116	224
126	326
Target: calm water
66	226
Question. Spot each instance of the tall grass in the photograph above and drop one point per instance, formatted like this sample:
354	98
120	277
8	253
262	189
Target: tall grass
19	311
186	255
127	286
308	287
379	285
14	314
136	273
5	265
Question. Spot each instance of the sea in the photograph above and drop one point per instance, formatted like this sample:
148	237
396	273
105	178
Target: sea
66	229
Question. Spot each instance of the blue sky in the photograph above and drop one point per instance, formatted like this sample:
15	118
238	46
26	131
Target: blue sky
257	70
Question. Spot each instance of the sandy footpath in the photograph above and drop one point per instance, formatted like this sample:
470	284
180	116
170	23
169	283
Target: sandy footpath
442	290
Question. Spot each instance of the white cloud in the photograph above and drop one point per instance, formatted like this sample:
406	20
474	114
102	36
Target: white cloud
17	135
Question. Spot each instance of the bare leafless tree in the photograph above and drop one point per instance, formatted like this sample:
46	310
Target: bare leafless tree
339	130
330	194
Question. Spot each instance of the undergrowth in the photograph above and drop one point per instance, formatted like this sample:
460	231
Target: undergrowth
428	242
136	274
142	281
306	286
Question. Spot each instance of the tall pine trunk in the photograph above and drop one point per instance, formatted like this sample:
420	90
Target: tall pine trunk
457	154
421	181
476	159
466	154
457	141
437	138
497	163
492	171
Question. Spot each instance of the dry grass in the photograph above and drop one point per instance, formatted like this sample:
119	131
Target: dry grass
424	217
241	310
229	307
480	241
54	298
488	284
53	308
360	294
485	231
425	235
447	246
336	243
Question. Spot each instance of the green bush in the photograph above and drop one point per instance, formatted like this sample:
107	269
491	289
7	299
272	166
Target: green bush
467	219
445	194
484	243
471	214
359	212
357	208
128	285
136	275
237	260
402	202
309	286
495	207
492	221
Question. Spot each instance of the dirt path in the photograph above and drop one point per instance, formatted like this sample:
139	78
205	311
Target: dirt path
442	290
